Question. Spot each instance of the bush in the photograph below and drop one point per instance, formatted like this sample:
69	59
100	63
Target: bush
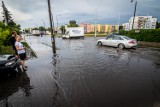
3	36
151	35
5	32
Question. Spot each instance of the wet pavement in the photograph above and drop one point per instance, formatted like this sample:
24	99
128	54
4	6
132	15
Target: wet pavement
83	74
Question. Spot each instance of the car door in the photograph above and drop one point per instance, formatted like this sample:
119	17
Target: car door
108	40
116	40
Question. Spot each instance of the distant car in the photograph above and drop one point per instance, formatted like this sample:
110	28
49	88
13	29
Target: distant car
8	64
119	41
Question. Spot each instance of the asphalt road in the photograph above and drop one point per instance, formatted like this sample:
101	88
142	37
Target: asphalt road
82	74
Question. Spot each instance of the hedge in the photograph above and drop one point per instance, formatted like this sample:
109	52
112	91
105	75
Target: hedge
143	35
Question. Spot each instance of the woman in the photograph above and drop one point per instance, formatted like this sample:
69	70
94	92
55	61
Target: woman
13	40
21	51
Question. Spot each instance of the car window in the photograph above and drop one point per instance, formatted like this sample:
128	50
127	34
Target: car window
110	38
127	38
117	38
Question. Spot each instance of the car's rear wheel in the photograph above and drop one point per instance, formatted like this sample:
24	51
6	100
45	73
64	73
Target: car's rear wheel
100	43
121	46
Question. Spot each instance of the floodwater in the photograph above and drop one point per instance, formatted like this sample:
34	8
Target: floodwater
82	74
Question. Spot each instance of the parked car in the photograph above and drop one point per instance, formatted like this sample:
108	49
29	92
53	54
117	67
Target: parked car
119	41
8	64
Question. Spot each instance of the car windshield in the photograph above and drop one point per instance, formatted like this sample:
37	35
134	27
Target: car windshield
127	38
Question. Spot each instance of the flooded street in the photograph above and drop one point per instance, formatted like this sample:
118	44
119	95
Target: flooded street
83	74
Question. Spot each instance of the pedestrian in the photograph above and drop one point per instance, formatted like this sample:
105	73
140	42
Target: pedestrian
13	40
21	51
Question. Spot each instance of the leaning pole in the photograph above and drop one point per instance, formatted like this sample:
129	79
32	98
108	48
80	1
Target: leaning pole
51	26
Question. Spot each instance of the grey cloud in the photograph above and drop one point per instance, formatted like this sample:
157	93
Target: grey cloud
108	11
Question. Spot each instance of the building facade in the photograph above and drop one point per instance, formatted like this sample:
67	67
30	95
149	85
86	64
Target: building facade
90	28
141	22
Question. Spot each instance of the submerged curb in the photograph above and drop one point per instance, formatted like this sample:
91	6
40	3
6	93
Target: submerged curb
149	44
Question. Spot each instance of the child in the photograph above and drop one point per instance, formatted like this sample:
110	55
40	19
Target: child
21	51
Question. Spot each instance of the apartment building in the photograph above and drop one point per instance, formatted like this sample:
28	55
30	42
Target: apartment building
88	28
141	22
93	28
126	26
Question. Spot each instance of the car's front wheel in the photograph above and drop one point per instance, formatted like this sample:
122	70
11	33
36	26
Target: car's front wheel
121	46
100	43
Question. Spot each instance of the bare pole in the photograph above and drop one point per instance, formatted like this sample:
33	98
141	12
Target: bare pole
51	26
95	24
134	14
118	21
57	23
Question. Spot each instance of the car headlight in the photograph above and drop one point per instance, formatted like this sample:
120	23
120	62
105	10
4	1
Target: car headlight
9	63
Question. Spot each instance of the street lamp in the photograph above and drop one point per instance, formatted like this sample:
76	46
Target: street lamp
44	26
96	24
134	13
57	22
95	27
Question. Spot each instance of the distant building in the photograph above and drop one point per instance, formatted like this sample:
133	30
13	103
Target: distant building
99	27
126	26
141	22
90	28
87	27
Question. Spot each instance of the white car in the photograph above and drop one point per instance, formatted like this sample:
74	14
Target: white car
119	41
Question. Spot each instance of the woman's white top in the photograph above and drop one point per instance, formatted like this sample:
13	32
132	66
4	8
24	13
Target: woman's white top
20	45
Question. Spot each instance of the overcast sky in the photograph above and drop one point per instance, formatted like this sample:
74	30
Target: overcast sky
32	13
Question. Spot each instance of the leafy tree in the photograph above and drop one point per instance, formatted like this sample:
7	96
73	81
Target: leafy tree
63	30
120	27
14	27
48	29
35	28
158	25
26	30
41	28
4	32
72	23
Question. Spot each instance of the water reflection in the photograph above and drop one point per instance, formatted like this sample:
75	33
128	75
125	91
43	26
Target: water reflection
59	95
11	85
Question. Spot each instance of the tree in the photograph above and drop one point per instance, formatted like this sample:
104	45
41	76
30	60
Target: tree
6	14
72	23
26	30
157	25
41	28
4	32
120	27
35	28
63	30
14	27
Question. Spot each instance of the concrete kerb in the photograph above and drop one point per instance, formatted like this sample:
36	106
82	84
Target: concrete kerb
149	44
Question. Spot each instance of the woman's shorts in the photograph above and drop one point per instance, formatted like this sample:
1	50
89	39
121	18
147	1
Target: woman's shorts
22	56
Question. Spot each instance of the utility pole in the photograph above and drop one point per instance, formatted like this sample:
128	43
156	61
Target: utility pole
5	13
134	13
51	22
